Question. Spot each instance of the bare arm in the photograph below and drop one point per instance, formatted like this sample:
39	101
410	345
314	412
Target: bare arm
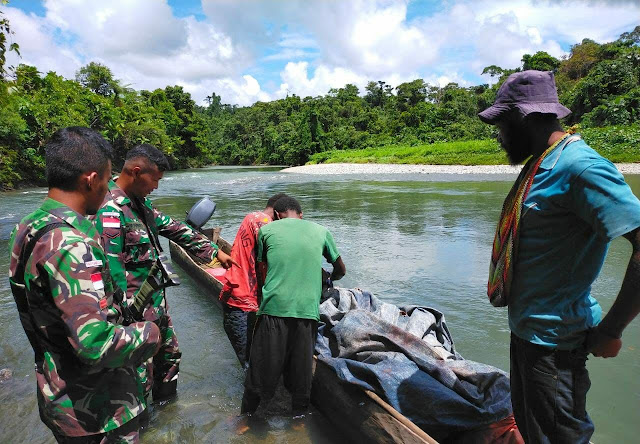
339	270
606	342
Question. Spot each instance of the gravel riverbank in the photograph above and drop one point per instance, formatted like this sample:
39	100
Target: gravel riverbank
382	168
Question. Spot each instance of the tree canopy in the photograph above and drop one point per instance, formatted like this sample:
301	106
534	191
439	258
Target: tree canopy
600	83
5	38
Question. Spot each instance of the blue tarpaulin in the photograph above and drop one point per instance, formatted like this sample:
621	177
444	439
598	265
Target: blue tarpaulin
406	355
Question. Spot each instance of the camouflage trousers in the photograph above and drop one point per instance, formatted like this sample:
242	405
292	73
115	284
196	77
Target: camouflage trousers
160	373
128	433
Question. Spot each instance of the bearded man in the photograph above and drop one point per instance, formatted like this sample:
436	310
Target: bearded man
556	225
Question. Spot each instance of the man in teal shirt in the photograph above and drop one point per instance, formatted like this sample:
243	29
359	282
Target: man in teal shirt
284	338
577	202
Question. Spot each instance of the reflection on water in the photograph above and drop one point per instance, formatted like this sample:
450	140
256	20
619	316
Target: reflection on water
411	239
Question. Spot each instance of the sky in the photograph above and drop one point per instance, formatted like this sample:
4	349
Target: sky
260	50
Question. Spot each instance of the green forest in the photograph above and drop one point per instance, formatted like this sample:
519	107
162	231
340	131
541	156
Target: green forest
600	83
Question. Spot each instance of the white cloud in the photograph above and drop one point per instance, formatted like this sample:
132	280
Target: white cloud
601	21
444	80
316	44
205	54
296	79
141	27
142	42
243	91
37	47
295	40
145	35
370	37
289	54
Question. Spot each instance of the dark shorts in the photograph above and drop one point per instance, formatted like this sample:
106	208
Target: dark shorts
281	346
549	393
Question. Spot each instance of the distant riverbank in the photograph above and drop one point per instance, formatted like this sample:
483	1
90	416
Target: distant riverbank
619	144
382	168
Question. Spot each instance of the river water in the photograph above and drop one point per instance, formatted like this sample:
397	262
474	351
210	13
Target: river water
416	239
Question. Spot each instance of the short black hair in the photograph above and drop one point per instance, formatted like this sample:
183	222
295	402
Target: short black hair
73	151
150	152
273	199
287	203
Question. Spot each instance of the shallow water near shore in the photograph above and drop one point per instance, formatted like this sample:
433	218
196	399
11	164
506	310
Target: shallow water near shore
410	239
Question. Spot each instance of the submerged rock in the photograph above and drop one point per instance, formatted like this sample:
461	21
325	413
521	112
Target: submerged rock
5	374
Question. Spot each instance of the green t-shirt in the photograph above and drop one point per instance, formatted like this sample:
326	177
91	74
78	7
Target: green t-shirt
293	250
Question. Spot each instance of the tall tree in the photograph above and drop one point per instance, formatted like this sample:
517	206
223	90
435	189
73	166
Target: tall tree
98	78
493	71
540	61
582	58
5	35
409	94
377	93
631	37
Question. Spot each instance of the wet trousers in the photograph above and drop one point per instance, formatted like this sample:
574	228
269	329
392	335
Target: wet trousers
239	324
549	393
281	346
159	375
128	433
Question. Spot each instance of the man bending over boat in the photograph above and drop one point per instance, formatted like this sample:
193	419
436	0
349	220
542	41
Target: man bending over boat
556	224
285	334
129	225
239	294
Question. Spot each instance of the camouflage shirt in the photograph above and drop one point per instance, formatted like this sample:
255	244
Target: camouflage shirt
85	362
130	250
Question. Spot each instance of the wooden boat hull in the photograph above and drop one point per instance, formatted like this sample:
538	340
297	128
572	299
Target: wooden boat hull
361	414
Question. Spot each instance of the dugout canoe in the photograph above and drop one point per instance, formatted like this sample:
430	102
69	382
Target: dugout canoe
360	413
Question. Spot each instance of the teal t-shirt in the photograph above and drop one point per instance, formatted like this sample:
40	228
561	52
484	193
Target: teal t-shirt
293	250
577	204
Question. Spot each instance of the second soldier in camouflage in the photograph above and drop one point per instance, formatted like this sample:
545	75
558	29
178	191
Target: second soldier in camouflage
129	225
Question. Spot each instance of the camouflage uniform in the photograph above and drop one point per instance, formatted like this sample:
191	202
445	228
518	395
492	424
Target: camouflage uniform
131	254
85	362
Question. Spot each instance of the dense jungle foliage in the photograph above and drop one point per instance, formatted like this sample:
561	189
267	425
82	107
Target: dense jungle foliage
600	83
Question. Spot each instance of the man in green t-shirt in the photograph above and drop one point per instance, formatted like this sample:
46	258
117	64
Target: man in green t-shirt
285	334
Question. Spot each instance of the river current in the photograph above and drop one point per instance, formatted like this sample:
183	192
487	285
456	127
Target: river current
421	239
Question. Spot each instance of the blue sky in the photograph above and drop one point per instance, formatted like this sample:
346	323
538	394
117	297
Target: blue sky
250	50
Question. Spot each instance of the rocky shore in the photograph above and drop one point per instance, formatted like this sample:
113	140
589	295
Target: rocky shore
381	168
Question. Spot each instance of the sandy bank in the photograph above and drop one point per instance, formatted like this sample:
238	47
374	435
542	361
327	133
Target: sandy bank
383	168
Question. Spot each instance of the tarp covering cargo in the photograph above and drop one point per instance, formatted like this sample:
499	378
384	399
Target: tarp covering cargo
406	355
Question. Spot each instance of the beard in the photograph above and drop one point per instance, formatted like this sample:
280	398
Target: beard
516	142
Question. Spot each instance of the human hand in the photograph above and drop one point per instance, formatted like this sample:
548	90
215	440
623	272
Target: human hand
604	346
155	337
226	260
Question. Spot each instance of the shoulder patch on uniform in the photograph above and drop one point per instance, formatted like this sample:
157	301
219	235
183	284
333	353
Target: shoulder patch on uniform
96	279
93	264
110	219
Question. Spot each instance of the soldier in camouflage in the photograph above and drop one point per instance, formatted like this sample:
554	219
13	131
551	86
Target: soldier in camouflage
85	361
130	225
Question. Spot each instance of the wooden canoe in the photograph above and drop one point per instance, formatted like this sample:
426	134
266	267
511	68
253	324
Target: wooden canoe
360	413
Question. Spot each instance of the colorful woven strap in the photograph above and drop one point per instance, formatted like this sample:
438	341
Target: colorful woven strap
505	242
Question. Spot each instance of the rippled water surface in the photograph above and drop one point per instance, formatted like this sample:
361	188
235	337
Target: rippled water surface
418	239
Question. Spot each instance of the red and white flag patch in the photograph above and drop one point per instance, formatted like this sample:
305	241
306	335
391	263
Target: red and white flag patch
96	279
111	220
